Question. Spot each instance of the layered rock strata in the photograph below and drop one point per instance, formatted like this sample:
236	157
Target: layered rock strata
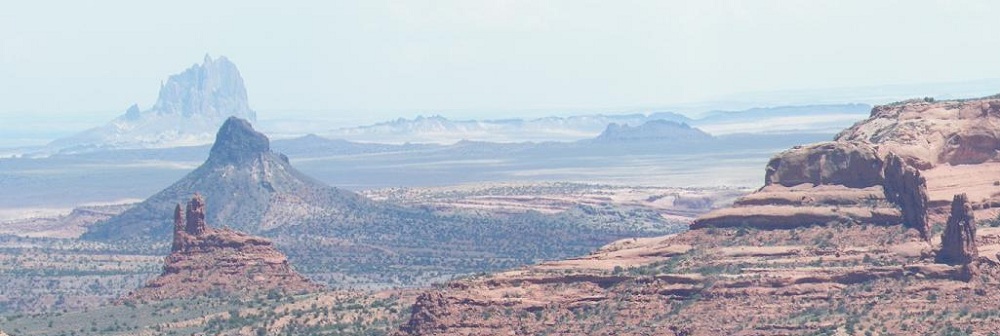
831	182
803	281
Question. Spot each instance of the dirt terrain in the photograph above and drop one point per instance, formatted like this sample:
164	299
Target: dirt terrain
670	202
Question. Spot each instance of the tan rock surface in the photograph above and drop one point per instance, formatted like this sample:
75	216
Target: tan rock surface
929	134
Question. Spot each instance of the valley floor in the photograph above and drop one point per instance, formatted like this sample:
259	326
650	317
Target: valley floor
45	276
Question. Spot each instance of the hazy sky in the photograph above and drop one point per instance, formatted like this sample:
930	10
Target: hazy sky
96	58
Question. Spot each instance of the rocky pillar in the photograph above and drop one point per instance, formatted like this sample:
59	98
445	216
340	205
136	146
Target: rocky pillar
196	216
178	227
905	187
958	244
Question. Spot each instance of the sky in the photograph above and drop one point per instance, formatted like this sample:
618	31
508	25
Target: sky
90	60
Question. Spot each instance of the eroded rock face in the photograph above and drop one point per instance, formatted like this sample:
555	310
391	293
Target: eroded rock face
830	182
958	244
927	134
428	315
206	261
195	216
904	186
179	226
851	164
705	283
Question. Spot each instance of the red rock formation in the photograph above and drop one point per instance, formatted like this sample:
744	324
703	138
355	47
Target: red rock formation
178	227
704	283
843	182
196	216
927	134
207	261
905	187
958	244
851	164
427	315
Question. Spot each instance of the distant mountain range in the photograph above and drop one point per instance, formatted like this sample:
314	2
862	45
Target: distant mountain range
191	106
438	129
655	130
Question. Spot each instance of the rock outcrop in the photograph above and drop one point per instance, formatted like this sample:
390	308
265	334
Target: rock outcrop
428	314
190	107
928	133
850	164
843	182
813	280
958	243
195	223
953	144
207	261
904	186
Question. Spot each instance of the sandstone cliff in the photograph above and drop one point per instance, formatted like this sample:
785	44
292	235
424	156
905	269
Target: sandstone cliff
927	134
953	143
927	150
207	261
831	182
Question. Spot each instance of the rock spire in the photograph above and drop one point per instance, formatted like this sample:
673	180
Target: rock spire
958	244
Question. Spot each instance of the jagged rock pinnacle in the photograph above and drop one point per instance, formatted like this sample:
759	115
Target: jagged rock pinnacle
905	186
207	260
178	227
195	216
958	243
